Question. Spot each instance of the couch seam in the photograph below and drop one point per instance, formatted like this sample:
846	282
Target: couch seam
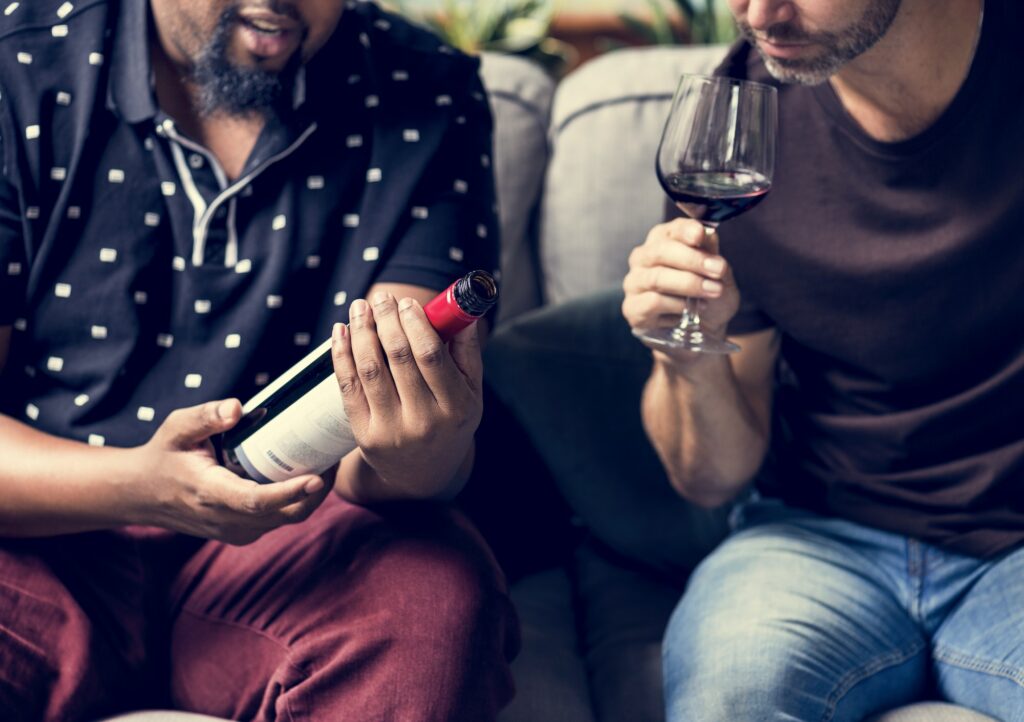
535	111
598	104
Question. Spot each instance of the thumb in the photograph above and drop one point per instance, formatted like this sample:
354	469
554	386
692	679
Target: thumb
191	426
465	351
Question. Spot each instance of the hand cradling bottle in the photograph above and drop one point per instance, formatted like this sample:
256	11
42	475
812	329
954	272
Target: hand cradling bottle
297	425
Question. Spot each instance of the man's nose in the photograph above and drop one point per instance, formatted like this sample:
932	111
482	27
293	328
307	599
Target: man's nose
763	14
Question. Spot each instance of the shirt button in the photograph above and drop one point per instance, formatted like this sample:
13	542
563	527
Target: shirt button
195	160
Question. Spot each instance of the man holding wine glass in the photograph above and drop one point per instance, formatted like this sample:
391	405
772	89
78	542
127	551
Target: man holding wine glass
875	298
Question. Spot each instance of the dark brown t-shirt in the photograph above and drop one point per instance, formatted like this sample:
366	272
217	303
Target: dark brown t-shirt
895	273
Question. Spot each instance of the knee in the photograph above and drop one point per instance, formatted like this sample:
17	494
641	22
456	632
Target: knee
431	570
724	669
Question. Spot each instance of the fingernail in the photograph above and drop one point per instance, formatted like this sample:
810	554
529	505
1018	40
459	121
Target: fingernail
405	304
338	332
380	297
313	486
358	309
712	287
714	265
226	410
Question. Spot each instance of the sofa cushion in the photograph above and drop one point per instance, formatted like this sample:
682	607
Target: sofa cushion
520	93
601	195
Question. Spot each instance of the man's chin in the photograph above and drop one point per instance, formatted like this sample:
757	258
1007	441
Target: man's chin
797	73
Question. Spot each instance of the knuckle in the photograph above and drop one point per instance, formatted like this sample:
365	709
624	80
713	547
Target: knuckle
400	353
347	383
654	277
431	355
369	370
649	305
251	503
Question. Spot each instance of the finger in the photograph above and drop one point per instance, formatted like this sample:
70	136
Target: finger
352	396
223	489
411	387
679	256
467	354
665	280
692	234
189	427
650	310
371	367
445	380
301	510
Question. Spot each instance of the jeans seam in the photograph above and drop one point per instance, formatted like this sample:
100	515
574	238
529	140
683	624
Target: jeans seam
855	677
972	663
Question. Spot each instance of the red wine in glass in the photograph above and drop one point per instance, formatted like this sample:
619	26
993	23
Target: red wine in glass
715	196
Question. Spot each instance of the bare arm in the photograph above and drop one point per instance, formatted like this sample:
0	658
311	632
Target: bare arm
707	416
413	403
50	485
709	420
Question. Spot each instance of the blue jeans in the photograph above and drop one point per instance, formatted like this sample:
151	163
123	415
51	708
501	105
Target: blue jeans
802	617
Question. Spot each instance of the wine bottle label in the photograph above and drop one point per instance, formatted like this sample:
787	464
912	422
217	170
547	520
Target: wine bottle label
305	437
297	425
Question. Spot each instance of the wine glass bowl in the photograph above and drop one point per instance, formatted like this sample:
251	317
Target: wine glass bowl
715	160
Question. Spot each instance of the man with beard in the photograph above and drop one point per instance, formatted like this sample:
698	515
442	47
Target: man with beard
879	559
193	192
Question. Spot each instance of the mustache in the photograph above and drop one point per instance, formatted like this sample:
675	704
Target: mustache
782	33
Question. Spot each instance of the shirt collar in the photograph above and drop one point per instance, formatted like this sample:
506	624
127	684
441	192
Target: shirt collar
130	91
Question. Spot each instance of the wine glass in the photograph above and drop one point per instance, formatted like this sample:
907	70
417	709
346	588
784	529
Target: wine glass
715	160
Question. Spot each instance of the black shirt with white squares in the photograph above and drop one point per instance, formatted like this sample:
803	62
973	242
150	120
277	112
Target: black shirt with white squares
140	279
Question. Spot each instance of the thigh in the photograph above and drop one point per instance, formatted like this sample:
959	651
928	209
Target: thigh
979	647
785	622
73	627
353	614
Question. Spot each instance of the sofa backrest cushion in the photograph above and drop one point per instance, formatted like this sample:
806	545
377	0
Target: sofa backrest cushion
601	195
520	94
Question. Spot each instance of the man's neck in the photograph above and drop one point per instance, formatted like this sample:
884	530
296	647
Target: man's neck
230	139
904	83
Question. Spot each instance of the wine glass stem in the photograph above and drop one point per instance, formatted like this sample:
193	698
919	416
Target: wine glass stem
689	321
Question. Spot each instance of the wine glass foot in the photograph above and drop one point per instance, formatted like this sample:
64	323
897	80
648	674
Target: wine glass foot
693	339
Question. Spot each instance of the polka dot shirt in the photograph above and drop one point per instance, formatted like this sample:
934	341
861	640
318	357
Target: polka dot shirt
138	278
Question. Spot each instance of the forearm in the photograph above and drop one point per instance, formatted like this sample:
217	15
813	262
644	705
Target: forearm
358	482
50	485
710	438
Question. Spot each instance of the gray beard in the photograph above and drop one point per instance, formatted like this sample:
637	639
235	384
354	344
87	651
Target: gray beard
839	47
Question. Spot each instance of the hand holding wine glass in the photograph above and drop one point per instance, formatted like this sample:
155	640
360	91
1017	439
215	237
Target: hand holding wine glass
715	160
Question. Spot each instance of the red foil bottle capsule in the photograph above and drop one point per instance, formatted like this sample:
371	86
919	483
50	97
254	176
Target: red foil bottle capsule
297	424
462	303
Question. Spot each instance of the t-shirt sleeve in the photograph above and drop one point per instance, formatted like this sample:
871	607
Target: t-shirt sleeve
749	318
13	268
451	224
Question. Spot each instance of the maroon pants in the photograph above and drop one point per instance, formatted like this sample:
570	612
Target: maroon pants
352	615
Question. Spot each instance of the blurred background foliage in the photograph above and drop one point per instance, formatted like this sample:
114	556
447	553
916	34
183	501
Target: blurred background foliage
560	34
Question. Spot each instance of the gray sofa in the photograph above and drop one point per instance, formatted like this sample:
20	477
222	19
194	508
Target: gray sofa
597	545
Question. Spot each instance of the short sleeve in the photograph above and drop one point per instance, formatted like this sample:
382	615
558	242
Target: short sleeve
13	267
451	225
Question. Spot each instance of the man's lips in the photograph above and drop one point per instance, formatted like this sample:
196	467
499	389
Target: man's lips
782	48
269	35
267	21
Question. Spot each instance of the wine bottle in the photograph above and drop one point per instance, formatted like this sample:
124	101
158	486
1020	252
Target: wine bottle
297	424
